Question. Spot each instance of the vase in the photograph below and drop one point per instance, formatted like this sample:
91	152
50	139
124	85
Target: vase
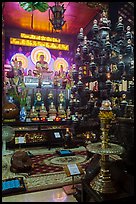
10	99
23	114
10	111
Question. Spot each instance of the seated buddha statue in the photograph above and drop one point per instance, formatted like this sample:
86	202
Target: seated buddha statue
43	112
61	111
40	66
61	97
33	113
52	111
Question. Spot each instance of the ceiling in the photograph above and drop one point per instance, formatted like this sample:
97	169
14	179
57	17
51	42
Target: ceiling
77	15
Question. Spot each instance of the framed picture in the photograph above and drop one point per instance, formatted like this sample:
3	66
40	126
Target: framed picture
31	81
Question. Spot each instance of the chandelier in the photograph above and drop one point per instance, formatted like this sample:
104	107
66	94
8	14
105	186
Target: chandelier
56	16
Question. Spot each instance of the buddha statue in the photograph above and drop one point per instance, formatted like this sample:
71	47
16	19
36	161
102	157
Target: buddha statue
33	113
61	111
38	100
50	98
38	96
61	97
43	112
56	79
52	111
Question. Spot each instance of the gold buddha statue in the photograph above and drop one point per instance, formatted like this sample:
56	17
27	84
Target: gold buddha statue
41	66
61	111
52	111
38	100
50	97
61	97
33	113
38	96
43	112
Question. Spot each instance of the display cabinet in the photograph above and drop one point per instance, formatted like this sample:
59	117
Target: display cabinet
30	134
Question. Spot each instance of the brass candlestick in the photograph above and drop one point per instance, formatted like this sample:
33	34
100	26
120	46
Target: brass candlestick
103	182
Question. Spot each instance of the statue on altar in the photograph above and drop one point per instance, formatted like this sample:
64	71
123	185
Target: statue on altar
56	79
61	72
43	111
41	65
52	111
38	99
62	76
61	98
42	70
50	98
61	111
33	113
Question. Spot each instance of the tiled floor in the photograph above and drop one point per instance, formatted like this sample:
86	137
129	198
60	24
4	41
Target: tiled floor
53	195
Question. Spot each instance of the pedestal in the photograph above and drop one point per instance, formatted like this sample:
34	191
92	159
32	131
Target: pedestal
103	182
73	171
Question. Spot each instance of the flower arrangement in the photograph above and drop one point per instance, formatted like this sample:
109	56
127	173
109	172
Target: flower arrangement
19	93
22	94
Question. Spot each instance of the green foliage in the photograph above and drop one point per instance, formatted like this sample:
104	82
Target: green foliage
31	6
19	93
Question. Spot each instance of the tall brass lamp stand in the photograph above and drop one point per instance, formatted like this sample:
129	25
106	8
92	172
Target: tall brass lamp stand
103	182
